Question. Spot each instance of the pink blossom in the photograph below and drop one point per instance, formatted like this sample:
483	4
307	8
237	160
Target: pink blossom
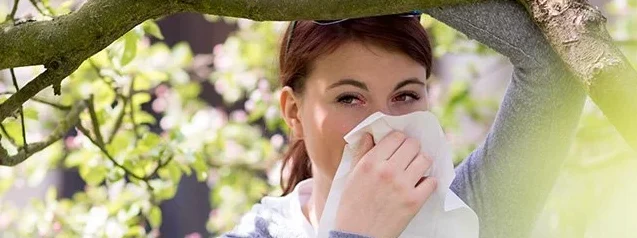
239	116
276	141
193	235
221	86
159	105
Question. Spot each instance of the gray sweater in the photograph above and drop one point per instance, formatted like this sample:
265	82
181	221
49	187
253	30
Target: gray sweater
507	179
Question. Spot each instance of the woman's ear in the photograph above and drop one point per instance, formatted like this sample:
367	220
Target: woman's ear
290	110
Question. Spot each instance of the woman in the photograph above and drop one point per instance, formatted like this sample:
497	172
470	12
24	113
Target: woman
337	73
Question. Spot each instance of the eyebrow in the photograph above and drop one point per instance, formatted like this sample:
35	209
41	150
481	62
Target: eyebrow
352	82
407	82
363	86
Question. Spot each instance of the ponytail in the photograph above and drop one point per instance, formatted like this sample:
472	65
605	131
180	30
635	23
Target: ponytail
301	167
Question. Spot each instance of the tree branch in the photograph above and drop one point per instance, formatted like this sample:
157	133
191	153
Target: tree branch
577	32
98	23
71	119
52	76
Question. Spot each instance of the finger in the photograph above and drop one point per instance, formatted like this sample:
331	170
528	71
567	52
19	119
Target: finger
404	155
387	146
418	167
365	144
426	187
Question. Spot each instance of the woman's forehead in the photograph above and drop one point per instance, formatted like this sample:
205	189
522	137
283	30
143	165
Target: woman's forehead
366	62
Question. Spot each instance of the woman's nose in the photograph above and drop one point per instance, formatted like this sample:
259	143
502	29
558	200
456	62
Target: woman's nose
385	109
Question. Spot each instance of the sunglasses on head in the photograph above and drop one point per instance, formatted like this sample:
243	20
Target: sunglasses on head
416	14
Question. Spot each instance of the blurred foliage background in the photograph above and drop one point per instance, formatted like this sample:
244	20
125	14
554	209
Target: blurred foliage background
157	128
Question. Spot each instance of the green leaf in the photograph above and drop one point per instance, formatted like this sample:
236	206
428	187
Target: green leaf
14	129
175	172
151	27
51	194
136	231
181	54
93	175
121	142
6	182
142	83
130	48
31	113
163	189
78	157
171	171
140	98
189	90
184	166
64	8
104	94
200	167
154	217
148	142
116	174
142	117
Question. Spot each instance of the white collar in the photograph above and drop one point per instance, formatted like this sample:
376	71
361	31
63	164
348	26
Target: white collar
300	196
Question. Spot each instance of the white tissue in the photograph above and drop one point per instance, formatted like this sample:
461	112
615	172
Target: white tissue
443	215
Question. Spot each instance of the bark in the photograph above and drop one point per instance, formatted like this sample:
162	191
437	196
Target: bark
577	32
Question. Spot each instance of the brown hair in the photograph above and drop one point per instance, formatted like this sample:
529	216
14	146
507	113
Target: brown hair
310	40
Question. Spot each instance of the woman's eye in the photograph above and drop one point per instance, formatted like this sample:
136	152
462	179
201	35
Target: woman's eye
406	97
349	100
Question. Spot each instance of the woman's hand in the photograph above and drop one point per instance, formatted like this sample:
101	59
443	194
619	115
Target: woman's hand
385	188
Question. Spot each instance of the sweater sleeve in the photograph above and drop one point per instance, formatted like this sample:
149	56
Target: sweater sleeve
507	179
340	234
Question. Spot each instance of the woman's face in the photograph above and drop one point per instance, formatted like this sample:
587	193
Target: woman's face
345	87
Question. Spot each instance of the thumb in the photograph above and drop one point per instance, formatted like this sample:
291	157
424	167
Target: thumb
365	144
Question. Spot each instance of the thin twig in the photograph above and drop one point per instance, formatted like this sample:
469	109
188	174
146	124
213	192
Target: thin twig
132	109
9	137
52	104
99	142
113	84
48	8
160	165
103	77
11	16
118	121
106	153
51	76
24	131
35	5
58	133
43	101
94	121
